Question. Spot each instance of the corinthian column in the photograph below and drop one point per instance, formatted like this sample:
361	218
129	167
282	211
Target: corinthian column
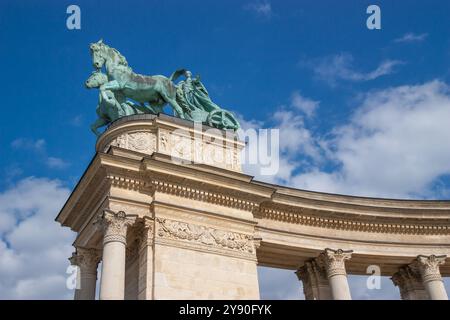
114	226
87	261
334	261
315	281
410	284
428	267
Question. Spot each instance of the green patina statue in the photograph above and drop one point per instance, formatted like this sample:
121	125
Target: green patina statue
189	98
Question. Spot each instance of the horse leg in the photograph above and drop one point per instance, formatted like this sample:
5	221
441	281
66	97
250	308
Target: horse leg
100	122
142	108
173	103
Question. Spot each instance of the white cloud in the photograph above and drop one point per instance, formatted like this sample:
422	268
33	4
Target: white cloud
261	8
57	163
337	67
33	247
304	104
411	37
395	145
294	137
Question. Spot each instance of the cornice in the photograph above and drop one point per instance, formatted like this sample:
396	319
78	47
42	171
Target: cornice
321	220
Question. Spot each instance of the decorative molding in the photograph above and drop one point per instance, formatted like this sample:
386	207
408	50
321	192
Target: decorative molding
139	141
151	185
203	195
205	236
298	216
334	261
127	182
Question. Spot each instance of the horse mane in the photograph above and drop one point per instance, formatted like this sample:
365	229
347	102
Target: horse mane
122	61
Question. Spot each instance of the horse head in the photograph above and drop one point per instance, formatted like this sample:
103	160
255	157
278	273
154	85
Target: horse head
96	79
102	53
98	53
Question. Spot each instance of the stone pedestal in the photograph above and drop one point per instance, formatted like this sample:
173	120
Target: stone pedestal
184	141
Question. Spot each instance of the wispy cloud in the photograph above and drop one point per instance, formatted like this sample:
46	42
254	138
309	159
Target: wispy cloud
29	144
337	67
56	163
411	37
260	8
392	126
304	104
39	147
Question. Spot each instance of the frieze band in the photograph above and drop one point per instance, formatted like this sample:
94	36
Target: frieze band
205	235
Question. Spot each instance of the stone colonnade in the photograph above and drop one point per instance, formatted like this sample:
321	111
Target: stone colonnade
325	277
421	279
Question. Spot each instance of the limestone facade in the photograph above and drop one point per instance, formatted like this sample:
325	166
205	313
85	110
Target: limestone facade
166	208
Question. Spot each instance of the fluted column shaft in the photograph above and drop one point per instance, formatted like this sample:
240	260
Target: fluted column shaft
334	261
87	261
315	282
145	282
114	225
428	267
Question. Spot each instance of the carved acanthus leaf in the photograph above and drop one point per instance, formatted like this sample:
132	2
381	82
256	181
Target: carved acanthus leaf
334	261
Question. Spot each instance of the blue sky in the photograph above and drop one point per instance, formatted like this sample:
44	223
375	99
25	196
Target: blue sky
340	93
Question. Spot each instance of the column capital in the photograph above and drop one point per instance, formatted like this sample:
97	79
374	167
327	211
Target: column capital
147	230
334	261
115	225
313	268
409	281
405	276
314	278
86	259
428	266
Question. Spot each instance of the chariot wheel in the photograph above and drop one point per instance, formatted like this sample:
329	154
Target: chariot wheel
222	119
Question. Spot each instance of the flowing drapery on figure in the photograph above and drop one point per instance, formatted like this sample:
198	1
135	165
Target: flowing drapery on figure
194	98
